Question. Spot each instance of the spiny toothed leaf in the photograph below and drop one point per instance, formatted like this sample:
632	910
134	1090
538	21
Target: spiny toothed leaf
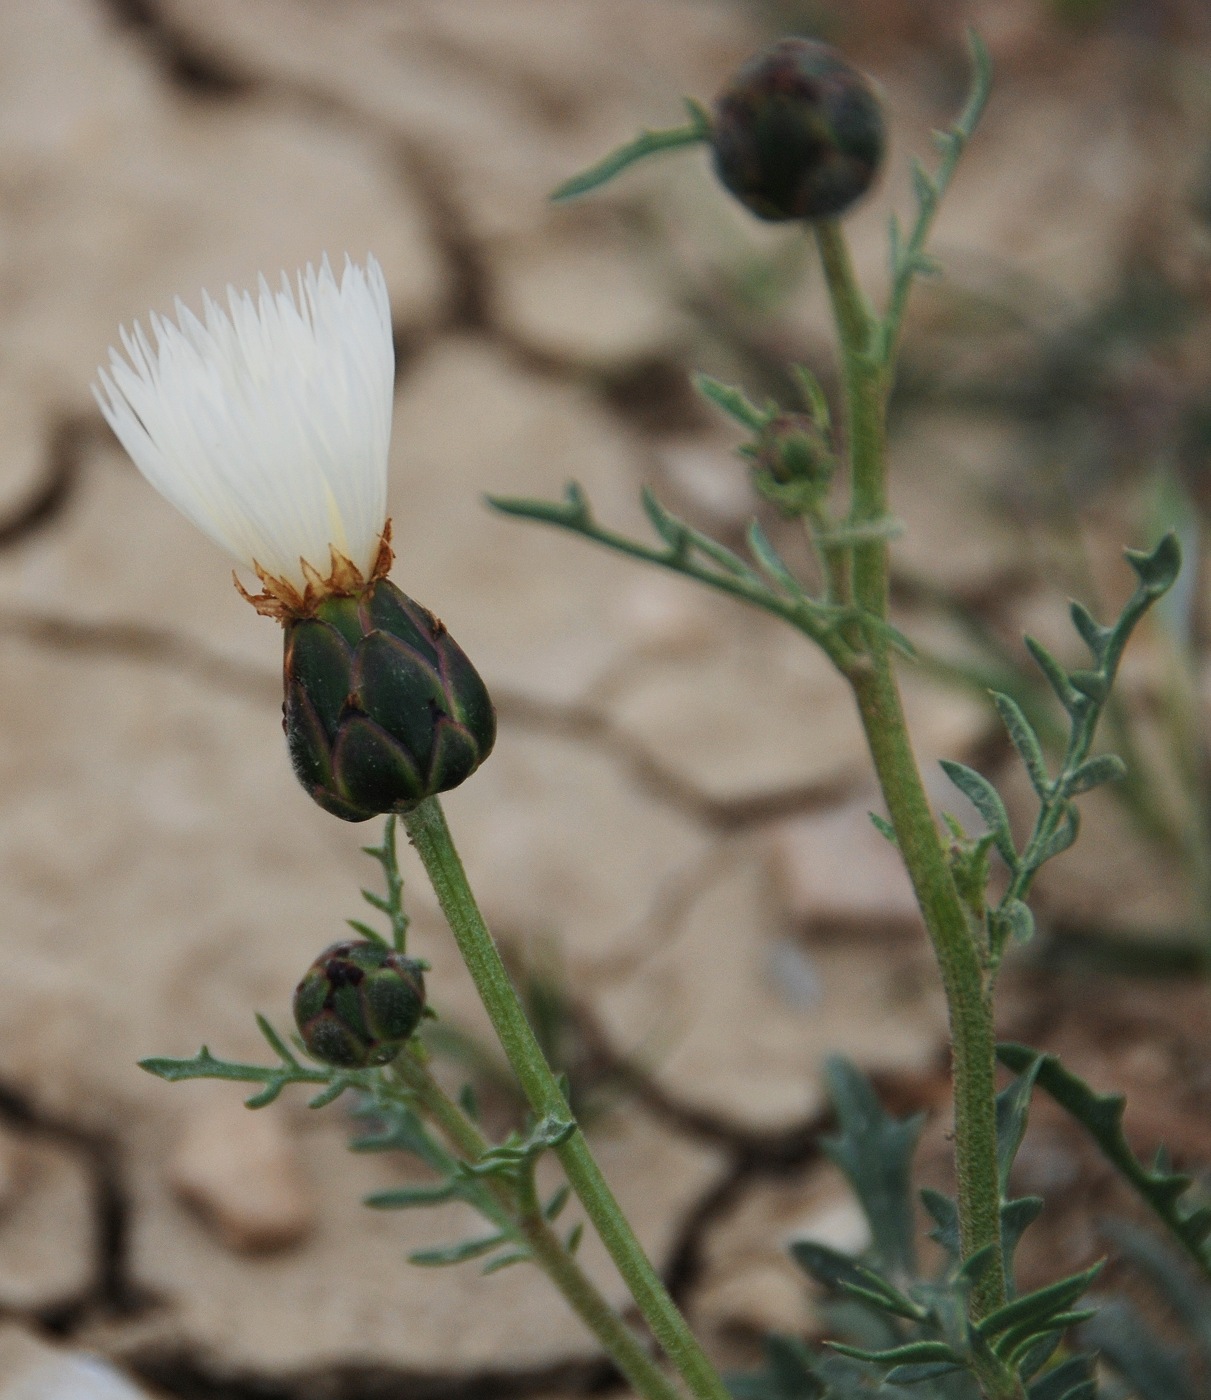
1102	1116
875	1152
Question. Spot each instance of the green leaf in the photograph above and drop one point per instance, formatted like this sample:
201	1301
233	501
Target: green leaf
647	143
575	1235
1025	741
554	1207
916	1375
675	533
1102	1117
771	562
1038	1308
1015	920
875	1152
505	1261
1105	768
732	400
1092	633
1158	569
457	1253
366	932
572	511
911	1353
1057	678
1062	838
884	828
987	801
329	1095
1013	1104
275	1041
841	1274
408	1197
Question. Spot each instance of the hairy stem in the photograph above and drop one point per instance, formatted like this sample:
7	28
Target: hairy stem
427	829
867	382
548	1251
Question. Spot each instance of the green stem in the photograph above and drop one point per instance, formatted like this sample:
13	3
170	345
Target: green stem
545	1247
427	829
867	382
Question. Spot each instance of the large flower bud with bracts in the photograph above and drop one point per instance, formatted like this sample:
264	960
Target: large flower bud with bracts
382	707
358	1004
798	133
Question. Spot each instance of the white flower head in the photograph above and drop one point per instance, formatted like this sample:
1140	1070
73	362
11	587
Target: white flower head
267	424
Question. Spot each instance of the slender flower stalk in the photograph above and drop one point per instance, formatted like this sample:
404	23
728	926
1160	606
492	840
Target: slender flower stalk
267	424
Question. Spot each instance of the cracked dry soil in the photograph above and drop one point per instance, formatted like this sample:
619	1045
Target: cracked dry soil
681	786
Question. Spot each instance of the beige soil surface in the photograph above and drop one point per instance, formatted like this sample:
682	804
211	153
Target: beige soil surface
674	823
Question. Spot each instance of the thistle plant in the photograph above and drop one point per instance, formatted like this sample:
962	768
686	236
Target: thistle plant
267	423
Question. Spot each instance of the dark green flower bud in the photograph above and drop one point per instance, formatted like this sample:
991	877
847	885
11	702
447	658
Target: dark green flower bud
358	1004
382	707
798	133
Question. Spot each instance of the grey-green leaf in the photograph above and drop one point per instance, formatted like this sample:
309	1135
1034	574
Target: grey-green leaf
1157	570
1025	741
1105	768
987	801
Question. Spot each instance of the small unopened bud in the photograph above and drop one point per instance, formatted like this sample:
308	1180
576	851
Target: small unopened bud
792	462
358	1004
798	133
382	707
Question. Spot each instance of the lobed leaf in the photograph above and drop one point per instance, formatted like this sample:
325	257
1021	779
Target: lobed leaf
1102	1117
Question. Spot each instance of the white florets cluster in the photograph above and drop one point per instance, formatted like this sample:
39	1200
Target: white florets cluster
267	422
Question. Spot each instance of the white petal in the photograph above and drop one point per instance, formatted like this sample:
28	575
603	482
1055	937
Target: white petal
267	422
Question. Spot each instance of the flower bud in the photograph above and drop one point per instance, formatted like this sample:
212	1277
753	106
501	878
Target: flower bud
382	707
798	133
358	1004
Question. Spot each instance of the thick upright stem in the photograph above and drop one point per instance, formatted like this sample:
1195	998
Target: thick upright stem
619	1342
427	829
867	381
